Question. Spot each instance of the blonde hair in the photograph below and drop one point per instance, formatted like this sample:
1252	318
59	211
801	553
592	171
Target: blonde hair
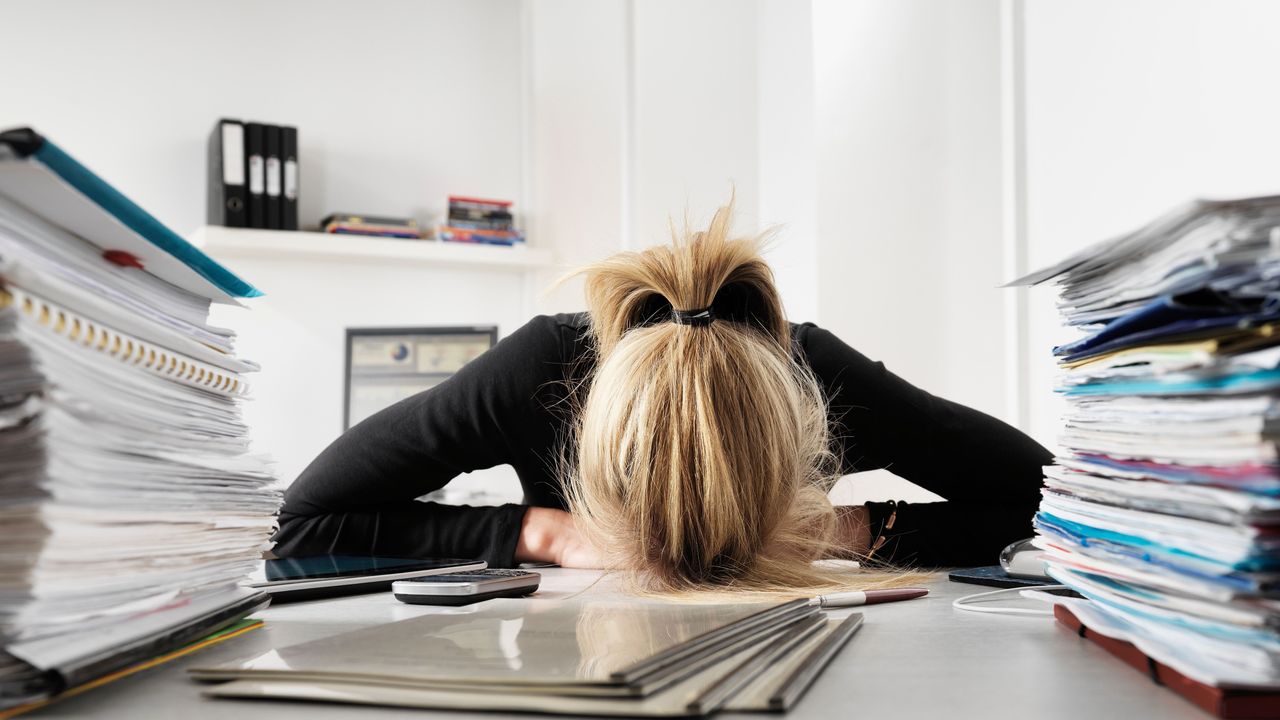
703	454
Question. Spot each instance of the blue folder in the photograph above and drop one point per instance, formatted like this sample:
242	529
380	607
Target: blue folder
1173	317
47	181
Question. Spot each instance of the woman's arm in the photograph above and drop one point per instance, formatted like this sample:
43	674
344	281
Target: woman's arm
359	495
988	471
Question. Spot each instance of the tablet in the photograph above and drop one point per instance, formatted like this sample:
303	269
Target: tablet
321	576
995	576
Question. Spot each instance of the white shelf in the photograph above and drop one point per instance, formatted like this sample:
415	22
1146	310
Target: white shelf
224	243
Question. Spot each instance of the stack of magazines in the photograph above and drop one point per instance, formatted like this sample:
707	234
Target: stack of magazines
130	506
477	220
596	657
1164	509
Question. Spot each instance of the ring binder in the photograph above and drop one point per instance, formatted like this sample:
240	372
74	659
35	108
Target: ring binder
122	346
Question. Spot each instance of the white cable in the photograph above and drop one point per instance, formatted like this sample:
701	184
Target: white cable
966	603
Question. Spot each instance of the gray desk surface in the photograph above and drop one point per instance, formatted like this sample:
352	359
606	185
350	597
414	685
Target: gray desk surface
916	659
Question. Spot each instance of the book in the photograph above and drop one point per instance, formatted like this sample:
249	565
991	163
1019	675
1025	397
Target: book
379	226
603	657
1163	508
477	220
231	631
1223	702
131	507
42	178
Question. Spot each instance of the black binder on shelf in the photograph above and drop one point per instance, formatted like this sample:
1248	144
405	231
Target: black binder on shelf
254	152
289	175
227	174
274	200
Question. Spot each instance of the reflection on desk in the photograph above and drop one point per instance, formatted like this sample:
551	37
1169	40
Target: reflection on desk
917	659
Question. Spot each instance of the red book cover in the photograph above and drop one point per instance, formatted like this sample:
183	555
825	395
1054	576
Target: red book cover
1225	703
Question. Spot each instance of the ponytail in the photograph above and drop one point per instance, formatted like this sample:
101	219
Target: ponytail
702	446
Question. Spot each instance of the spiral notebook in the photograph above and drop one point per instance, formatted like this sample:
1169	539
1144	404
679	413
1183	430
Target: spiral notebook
71	327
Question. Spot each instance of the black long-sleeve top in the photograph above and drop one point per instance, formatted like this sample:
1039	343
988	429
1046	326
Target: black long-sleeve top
508	406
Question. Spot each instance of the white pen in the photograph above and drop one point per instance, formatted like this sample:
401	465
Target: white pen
867	597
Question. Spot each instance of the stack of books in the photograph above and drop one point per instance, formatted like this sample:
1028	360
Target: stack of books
130	506
1164	509
597	657
475	220
376	226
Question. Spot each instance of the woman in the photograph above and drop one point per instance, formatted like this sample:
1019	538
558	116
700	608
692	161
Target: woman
681	429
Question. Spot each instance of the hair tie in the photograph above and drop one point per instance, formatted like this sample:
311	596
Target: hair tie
692	317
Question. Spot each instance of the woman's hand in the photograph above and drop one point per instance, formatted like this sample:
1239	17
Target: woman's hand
550	535
853	531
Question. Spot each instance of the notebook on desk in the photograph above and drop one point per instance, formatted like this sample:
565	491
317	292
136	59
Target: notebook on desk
593	657
132	504
41	176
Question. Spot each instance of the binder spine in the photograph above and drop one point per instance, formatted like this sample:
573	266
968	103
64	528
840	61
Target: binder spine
275	218
255	167
289	176
227	174
125	348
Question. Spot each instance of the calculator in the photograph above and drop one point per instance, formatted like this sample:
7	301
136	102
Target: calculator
464	588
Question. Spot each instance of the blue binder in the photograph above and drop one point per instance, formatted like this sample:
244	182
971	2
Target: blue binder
46	180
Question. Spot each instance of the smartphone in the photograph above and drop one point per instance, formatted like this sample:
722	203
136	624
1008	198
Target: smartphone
464	588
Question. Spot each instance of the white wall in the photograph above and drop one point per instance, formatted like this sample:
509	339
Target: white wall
580	99
1132	108
298	330
908	147
870	129
413	101
398	102
786	153
693	114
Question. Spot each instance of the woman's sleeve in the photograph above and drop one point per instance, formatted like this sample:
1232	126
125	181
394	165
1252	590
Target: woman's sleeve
359	495
989	472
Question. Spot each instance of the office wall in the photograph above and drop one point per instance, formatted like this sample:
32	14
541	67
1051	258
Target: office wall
786	153
870	129
908	148
694	125
580	115
398	102
1132	108
660	121
396	108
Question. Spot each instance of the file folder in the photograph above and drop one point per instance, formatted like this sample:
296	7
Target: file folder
50	183
272	158
255	164
289	175
227	174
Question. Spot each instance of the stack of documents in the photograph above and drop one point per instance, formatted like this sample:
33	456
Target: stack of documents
1164	509
130	507
599	657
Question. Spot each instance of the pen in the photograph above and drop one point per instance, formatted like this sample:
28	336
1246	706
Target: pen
867	597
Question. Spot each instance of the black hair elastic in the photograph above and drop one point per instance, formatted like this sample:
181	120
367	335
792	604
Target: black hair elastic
692	317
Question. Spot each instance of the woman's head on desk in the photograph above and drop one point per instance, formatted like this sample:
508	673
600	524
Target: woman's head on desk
702	454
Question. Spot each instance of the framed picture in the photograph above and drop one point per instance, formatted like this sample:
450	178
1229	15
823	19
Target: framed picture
387	365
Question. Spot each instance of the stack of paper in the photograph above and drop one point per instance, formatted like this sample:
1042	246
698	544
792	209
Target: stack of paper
1164	510
597	657
130	507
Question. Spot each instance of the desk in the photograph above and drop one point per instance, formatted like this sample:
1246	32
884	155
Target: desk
915	659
